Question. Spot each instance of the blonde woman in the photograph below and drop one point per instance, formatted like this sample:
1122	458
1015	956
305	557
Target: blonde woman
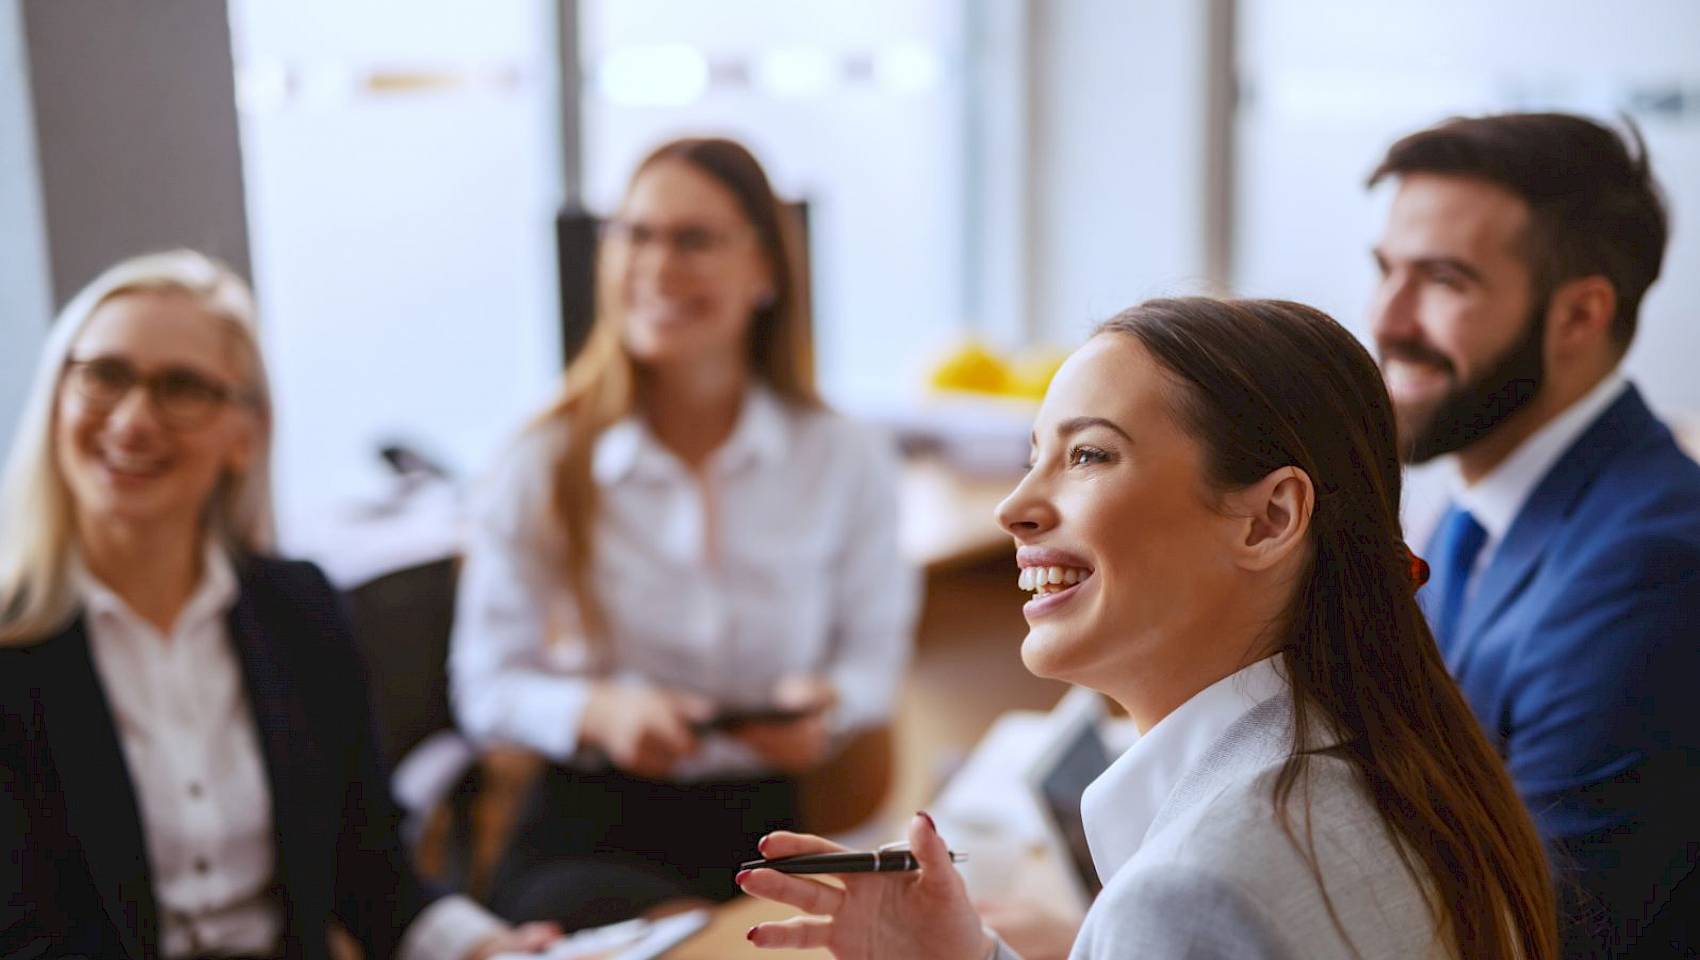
186	766
684	584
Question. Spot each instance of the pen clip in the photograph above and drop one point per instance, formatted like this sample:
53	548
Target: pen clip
902	846
895	846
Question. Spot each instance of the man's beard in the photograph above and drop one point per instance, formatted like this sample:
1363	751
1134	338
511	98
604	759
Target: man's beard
1470	411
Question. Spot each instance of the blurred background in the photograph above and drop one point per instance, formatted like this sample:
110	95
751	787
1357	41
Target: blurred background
984	181
1000	172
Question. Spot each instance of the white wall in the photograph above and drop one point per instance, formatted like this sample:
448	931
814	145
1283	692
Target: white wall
25	300
1330	85
401	161
1118	169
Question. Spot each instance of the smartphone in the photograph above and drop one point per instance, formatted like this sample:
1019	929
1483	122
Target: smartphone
729	720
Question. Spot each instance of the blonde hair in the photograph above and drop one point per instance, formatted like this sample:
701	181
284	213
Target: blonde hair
37	532
599	388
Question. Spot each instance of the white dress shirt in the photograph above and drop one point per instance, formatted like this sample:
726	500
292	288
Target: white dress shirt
1118	808
779	557
193	753
1496	499
1197	860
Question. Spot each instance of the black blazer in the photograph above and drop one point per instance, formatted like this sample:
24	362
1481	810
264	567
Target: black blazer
75	877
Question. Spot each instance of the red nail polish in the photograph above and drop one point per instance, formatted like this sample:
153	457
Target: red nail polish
751	936
924	815
739	879
761	846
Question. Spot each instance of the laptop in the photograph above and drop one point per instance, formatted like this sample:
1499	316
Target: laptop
1073	755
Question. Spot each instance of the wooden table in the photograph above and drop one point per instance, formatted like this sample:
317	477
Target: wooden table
946	517
724	937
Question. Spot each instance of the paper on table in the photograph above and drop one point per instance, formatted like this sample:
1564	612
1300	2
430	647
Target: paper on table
665	934
631	940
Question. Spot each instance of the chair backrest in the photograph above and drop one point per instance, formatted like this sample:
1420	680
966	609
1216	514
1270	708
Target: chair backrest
402	622
850	788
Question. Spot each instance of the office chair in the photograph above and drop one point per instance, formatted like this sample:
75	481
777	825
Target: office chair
402	621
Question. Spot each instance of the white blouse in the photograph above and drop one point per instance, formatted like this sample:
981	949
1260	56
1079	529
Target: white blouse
193	753
1119	807
1185	833
780	557
194	757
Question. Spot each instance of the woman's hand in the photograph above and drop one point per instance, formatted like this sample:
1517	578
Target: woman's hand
525	938
893	916
794	746
643	730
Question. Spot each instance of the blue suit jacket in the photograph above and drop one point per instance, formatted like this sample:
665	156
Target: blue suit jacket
74	878
1580	651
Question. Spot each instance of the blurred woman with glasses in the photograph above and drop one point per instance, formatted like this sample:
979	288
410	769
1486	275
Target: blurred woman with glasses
186	760
683	587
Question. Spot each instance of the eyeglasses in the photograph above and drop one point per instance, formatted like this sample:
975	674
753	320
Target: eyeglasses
182	398
691	241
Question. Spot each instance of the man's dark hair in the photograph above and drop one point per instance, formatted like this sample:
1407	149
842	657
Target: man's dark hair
1594	206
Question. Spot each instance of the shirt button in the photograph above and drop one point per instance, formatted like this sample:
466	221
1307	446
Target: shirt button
201	865
195	790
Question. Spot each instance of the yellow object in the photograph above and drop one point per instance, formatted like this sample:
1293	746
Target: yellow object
1033	370
976	368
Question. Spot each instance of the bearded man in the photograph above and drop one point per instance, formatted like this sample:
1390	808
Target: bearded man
1566	574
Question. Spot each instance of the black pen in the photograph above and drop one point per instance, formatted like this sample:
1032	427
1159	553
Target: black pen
884	860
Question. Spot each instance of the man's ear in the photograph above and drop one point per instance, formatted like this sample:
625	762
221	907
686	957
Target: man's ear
1275	517
1580	313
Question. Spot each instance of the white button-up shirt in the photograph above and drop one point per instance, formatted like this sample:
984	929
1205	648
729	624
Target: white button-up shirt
1184	832
193	752
194	757
1496	499
1119	807
779	557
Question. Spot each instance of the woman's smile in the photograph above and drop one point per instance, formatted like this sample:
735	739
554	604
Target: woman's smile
1053	576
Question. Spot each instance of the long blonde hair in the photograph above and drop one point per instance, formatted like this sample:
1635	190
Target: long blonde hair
599	388
37	530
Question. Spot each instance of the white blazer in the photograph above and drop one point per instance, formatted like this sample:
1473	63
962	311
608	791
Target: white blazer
1215	876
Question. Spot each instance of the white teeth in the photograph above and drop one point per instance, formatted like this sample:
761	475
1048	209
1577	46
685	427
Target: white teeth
130	464
1039	578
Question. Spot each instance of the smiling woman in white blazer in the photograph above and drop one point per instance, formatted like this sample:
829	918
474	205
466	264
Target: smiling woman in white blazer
1214	504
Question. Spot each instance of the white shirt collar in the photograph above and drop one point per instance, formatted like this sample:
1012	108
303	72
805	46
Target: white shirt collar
628	447
1119	807
212	597
1495	499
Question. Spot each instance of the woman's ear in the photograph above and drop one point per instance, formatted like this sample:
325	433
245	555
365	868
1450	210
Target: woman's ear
1275	517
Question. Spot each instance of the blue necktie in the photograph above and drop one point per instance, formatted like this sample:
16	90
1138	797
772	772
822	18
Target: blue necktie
1456	547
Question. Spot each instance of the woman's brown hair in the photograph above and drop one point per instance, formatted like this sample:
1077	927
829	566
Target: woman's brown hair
599	388
1268	384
